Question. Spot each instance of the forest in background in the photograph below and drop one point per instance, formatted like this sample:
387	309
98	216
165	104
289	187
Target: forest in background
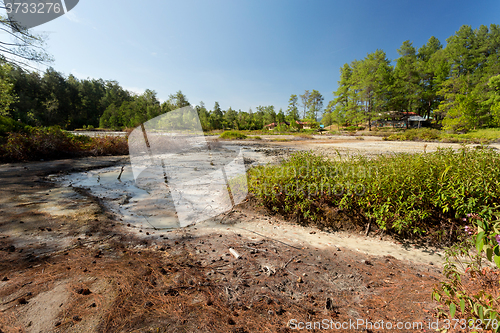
457	86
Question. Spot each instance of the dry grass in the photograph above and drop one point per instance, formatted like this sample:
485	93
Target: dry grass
53	143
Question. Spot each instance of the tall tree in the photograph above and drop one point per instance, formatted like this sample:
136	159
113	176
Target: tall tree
406	88
305	102
433	69
292	110
315	103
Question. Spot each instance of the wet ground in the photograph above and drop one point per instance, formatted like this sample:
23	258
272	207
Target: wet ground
73	258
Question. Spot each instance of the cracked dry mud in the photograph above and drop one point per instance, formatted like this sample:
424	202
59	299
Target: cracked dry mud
67	264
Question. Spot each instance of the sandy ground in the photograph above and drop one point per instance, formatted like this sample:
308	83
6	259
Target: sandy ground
70	262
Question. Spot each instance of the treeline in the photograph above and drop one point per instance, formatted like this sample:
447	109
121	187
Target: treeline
457	85
50	98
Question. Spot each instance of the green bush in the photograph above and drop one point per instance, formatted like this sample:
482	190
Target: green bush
403	193
354	128
416	134
470	290
232	135
10	125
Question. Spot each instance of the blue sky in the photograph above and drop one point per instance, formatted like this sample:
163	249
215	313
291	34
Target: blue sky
244	53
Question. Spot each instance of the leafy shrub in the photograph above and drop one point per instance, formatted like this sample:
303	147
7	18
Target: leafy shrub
354	128
404	193
470	290
232	135
10	125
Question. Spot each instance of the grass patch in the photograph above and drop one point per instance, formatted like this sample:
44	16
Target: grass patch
484	135
481	136
420	134
232	135
280	140
304	136
405	194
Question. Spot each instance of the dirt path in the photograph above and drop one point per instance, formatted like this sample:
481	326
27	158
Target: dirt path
68	265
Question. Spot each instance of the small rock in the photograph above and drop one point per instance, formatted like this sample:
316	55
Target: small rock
83	291
231	321
22	300
299	280
5	278
329	304
57	324
93	305
77	318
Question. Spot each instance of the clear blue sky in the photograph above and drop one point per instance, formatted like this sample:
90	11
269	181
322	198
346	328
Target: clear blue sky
244	53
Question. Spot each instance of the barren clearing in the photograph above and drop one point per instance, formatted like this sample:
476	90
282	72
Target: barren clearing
68	264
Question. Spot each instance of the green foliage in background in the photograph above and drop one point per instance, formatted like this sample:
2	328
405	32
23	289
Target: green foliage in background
231	135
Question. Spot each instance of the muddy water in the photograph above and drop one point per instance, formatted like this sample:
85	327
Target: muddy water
146	202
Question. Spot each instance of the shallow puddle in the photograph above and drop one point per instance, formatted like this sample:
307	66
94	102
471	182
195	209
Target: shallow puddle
144	199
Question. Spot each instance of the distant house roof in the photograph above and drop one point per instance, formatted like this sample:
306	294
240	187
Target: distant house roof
276	124
301	122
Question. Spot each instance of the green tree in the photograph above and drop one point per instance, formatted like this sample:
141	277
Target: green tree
177	100
315	104
230	117
216	117
433	70
305	102
372	81
406	88
292	110
6	90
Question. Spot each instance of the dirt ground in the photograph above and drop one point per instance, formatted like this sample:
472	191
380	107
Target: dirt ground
67	264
